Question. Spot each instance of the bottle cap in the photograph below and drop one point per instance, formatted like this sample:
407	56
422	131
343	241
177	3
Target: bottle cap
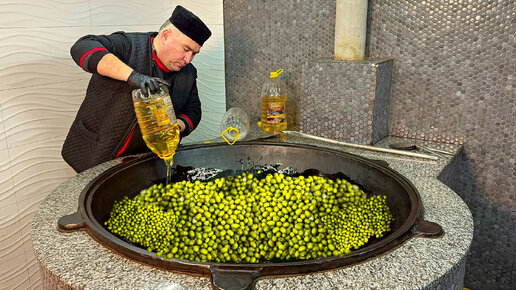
274	74
233	133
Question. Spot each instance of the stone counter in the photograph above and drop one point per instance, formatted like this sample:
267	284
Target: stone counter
76	261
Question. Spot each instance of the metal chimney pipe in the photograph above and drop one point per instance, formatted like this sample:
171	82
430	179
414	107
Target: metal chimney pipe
350	29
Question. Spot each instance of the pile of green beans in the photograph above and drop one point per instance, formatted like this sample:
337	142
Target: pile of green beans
351	227
144	224
242	219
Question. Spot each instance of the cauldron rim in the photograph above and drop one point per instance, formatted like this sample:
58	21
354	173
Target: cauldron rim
394	239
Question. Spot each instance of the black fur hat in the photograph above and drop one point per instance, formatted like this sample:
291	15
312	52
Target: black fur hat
189	24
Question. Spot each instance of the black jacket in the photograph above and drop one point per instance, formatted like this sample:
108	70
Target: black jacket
106	118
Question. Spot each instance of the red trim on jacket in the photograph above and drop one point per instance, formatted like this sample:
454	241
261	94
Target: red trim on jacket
125	143
90	52
187	119
157	60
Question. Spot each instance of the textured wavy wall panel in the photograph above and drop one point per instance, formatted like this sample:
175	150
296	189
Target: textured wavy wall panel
14	274
10	246
3	141
44	13
217	35
10	234
26	209
212	52
210	57
31	57
211	88
7	196
208	129
210	11
38	168
127	28
167	9
36	281
211	84
128	12
40	113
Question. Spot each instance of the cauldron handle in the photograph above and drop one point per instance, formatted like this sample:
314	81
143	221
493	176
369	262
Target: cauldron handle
427	229
70	223
229	279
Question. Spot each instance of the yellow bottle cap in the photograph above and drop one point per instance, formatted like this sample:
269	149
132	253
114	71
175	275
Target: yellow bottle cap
233	133
274	74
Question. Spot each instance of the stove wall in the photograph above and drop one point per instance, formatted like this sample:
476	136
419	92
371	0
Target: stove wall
453	82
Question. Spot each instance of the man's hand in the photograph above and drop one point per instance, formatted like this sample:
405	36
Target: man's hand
146	83
181	125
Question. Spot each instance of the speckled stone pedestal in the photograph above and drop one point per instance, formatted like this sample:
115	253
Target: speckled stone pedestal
345	100
76	261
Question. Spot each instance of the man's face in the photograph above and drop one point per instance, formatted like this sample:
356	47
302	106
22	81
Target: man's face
178	50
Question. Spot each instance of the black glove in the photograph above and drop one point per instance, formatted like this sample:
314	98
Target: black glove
146	83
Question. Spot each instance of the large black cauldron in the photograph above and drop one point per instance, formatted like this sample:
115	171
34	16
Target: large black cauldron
375	177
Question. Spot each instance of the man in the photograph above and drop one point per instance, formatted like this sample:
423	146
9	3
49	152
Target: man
105	126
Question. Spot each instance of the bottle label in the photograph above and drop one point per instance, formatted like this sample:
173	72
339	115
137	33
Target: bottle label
275	112
170	110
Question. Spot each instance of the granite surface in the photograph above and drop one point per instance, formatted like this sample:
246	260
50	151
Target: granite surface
76	261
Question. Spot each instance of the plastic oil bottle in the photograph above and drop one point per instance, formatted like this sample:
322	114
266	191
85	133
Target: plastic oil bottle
158	124
274	101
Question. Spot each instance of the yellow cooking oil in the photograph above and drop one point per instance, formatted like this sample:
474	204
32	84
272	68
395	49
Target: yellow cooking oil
159	134
274	104
273	117
158	124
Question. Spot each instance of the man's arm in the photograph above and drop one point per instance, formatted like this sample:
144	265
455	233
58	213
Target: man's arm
107	55
111	66
104	54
